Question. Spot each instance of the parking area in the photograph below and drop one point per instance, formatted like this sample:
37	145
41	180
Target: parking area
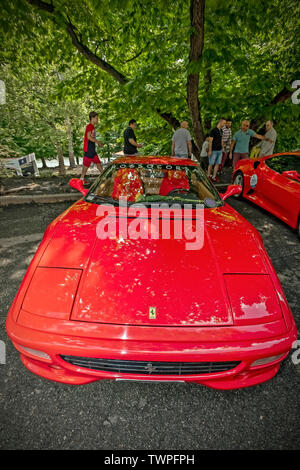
39	414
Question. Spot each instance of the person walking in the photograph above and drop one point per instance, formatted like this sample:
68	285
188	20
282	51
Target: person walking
240	142
215	149
182	142
130	143
89	146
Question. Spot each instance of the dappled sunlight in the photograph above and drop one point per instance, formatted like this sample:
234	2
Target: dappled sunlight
5	262
18	275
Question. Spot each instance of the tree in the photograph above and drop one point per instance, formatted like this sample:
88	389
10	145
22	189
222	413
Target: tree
144	58
34	119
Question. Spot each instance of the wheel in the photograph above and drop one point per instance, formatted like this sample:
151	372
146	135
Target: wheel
239	179
298	227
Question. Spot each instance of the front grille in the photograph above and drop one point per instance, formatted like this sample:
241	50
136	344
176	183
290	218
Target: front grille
150	367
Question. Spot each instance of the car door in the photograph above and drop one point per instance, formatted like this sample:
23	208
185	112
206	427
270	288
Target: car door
261	181
275	188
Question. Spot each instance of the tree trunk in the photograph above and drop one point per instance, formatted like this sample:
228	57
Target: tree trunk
61	163
70	143
44	167
207	86
196	48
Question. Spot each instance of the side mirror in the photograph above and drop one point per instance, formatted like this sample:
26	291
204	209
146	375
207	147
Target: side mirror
293	174
77	183
232	190
256	164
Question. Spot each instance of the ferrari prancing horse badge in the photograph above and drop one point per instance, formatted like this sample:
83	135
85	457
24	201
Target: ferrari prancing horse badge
152	313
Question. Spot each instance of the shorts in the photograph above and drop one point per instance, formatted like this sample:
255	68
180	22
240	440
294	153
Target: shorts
215	158
87	160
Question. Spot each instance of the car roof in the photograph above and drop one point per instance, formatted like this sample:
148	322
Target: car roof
155	160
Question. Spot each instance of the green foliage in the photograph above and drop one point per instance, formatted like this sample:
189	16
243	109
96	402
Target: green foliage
250	54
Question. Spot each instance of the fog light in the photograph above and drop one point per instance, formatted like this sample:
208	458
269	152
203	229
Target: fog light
34	352
266	360
56	367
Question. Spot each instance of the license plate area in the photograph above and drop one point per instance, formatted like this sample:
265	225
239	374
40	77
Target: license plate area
150	381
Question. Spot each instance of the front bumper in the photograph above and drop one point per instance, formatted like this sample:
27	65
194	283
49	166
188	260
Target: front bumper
244	344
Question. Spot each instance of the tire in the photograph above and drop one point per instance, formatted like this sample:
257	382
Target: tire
298	227
239	179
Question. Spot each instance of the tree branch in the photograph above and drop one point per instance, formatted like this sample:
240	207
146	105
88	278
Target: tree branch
137	55
169	119
88	54
92	57
42	5
84	50
281	97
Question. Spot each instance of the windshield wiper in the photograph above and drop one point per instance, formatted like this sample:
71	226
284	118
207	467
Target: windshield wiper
101	199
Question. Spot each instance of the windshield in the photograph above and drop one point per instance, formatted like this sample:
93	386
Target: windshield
150	182
283	163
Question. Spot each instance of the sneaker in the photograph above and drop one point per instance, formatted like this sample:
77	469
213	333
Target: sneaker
214	180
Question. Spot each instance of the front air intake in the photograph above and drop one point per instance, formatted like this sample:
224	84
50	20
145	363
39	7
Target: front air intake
150	367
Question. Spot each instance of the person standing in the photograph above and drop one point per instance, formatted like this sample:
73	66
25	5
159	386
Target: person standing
240	142
227	142
182	142
215	149
89	146
267	146
130	144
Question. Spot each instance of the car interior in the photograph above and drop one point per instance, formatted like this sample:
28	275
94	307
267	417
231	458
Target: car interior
133	183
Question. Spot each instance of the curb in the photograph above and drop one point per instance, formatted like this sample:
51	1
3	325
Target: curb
50	198
39	198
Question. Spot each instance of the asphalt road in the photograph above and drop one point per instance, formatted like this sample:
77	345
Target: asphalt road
39	414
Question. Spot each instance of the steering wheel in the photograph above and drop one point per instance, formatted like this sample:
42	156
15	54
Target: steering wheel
178	190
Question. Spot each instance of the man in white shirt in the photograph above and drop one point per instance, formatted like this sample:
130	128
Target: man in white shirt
267	146
182	142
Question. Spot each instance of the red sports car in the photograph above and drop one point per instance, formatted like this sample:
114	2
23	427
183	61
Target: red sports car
152	276
273	182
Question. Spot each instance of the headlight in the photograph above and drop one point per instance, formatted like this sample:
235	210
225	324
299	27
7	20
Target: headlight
51	292
266	360
253	298
33	352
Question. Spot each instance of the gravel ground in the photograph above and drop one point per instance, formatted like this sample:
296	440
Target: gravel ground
39	414
20	186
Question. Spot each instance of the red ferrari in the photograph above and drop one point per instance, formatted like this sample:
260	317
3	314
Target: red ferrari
118	290
273	182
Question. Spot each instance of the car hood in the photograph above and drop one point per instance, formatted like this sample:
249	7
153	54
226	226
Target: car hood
156	282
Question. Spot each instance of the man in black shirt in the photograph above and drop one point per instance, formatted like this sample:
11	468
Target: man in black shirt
130	143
